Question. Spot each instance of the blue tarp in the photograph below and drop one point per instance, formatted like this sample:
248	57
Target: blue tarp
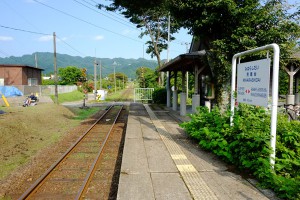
10	91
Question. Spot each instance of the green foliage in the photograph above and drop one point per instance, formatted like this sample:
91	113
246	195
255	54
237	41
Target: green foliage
246	144
283	82
48	82
146	77
160	95
82	114
69	75
152	19
228	27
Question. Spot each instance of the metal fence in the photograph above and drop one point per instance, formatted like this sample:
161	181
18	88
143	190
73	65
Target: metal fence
143	94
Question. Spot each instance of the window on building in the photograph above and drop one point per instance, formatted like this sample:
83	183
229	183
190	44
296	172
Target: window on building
32	81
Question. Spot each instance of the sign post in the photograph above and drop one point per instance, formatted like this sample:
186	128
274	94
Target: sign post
259	90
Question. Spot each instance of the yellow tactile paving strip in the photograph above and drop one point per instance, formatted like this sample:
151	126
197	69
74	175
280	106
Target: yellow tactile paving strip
196	185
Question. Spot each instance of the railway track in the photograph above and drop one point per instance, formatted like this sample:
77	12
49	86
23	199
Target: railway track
78	174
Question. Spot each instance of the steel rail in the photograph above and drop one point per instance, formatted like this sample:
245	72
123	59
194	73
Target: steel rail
89	176
38	182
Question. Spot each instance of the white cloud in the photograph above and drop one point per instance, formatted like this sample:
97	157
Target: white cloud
6	38
99	37
45	38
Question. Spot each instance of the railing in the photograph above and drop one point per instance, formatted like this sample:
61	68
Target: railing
143	94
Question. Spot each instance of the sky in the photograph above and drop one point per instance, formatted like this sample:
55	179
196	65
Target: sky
27	26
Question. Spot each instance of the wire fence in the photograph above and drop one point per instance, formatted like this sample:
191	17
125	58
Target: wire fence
143	94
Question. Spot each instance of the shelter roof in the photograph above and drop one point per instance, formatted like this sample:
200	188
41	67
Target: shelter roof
184	62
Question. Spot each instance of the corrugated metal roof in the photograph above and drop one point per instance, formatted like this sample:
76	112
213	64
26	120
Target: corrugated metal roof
184	62
23	66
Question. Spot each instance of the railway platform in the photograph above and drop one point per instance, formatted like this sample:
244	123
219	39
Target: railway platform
160	162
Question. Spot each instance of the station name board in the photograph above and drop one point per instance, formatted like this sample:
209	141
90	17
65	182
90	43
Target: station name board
253	80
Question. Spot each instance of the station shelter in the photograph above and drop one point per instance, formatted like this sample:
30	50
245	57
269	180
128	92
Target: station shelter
292	69
191	62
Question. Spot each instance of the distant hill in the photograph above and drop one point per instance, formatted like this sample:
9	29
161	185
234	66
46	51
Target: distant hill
45	61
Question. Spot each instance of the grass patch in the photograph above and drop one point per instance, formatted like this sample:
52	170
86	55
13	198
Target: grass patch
81	114
114	96
68	97
25	131
119	96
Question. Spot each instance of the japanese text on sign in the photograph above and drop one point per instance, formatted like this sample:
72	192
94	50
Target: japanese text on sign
253	82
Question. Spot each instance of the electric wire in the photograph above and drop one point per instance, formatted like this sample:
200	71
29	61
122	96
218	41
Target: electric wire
18	29
114	14
82	20
23	18
27	31
97	11
20	16
70	46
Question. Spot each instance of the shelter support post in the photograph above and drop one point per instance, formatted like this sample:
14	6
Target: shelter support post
297	90
290	98
196	95
183	96
168	90
182	104
175	93
195	102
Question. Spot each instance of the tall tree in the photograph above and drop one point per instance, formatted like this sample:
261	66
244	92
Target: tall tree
227	27
230	26
69	75
147	77
152	19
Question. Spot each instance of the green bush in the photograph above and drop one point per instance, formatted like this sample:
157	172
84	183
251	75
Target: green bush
159	95
246	144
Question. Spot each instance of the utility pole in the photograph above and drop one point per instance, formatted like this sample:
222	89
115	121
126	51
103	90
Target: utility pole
187	73
55	68
35	58
100	75
114	64
168	73
123	81
95	78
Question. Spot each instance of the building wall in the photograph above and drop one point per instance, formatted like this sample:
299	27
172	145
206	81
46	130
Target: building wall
32	73
19	75
12	75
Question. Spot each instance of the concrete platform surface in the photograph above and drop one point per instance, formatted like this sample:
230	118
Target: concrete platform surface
160	162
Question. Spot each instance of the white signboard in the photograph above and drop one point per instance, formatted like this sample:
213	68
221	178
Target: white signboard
253	80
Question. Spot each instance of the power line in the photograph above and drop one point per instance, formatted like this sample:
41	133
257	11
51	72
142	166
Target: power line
85	21
21	16
70	46
97	11
18	29
114	13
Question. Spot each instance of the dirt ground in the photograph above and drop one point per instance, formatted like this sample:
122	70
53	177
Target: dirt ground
31	139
